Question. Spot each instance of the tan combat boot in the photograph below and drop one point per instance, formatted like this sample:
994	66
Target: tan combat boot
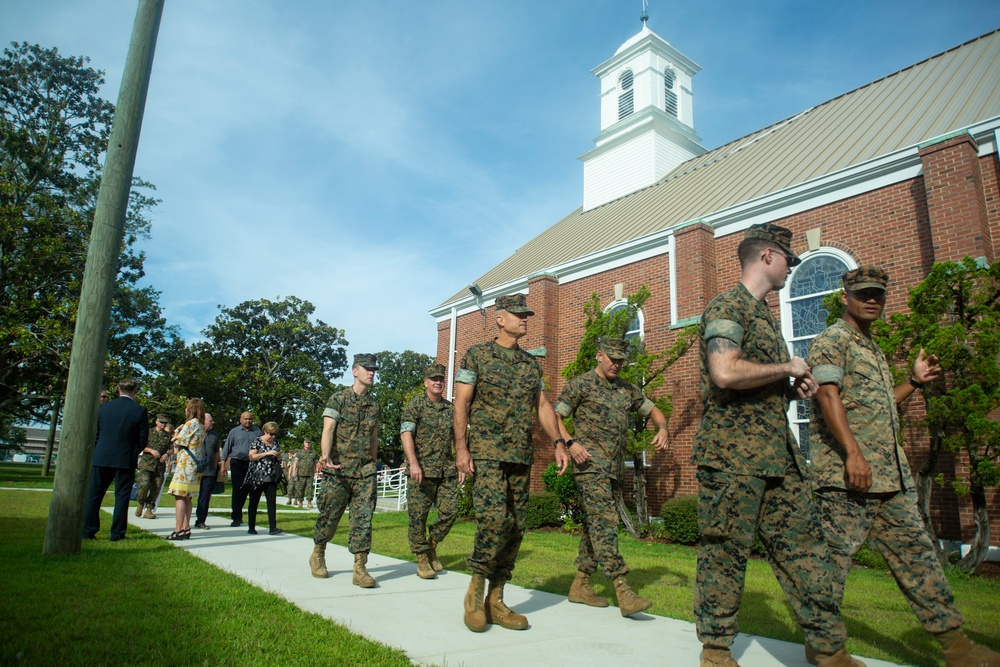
581	592
432	555
148	514
712	656
960	651
475	613
317	562
361	576
628	602
499	613
309	505
138	509
840	658
424	569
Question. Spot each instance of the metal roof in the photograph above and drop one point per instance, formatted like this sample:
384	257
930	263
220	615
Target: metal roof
947	92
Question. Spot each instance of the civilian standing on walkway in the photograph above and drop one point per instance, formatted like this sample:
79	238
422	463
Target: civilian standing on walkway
186	481
209	478
262	477
122	432
236	459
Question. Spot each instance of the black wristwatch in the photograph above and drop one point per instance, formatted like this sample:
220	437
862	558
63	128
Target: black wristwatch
557	441
915	384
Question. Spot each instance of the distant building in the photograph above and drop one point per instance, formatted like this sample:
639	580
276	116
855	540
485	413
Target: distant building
902	172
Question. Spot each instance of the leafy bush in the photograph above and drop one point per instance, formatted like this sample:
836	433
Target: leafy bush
465	507
544	509
870	557
680	519
563	486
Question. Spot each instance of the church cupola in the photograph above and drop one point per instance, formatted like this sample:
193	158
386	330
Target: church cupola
647	123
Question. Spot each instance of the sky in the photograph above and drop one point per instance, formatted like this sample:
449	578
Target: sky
374	158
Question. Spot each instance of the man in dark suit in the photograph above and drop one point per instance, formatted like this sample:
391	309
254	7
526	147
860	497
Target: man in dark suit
122	432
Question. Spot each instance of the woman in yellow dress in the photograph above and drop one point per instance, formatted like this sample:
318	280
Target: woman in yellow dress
187	480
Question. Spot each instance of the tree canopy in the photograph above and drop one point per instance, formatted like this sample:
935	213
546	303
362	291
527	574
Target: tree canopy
400	377
54	128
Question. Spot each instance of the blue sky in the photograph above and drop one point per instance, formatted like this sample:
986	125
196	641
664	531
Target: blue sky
376	157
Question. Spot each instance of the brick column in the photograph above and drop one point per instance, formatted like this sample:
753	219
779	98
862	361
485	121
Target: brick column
543	331
956	202
697	284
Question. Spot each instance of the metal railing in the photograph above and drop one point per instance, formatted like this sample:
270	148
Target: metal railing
392	486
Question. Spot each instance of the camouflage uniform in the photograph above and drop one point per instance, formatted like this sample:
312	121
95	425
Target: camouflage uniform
431	424
507	382
149	474
600	409
305	474
353	484
846	357
751	481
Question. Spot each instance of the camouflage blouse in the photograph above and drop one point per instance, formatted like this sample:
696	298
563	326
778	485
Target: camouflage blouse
745	431
506	384
432	426
844	356
357	418
160	441
600	409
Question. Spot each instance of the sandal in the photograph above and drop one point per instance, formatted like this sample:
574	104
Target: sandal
176	535
184	535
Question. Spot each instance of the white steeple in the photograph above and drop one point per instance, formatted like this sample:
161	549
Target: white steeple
647	123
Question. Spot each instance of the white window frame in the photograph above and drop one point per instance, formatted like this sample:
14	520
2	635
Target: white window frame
617	303
785	311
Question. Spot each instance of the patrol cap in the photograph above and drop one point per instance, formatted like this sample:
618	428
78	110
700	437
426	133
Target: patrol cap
366	361
775	234
515	303
614	347
162	418
435	371
864	277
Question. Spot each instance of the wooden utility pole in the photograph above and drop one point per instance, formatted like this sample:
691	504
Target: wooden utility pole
50	442
64	532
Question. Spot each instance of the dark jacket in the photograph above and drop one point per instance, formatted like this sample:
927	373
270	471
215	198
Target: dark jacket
122	432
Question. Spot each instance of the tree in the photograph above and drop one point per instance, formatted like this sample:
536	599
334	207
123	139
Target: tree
645	370
268	357
955	314
54	129
400	378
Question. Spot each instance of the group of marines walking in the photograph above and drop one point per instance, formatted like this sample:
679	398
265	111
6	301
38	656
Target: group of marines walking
752	478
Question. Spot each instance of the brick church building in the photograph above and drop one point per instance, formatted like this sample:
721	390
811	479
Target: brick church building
902	172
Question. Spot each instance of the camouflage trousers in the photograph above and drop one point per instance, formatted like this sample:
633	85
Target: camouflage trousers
337	494
599	543
500	499
149	482
302	488
732	509
442	491
895	527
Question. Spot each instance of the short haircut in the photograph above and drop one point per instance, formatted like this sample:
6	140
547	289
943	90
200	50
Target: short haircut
750	249
270	428
128	386
194	408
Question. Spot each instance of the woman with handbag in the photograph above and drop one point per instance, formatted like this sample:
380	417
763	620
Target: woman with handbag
263	476
187	480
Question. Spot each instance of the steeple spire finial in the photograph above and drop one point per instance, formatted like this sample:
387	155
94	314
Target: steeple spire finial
645	15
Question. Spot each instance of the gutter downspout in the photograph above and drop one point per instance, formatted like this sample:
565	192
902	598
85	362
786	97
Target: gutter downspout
451	352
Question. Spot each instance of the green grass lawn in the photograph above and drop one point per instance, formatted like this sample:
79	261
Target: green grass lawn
25	476
879	620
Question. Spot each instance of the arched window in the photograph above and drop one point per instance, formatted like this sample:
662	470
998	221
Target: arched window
803	316
635	326
625	94
669	96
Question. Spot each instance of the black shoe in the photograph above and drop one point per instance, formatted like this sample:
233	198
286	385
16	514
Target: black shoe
90	537
201	525
275	531
236	524
117	538
252	531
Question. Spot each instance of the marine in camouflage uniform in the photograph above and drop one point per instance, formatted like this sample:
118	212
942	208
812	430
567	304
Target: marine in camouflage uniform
751	476
860	472
350	448
497	387
427	433
150	470
305	474
600	403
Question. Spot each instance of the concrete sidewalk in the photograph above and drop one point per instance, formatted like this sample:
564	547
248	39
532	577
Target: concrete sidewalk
424	617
